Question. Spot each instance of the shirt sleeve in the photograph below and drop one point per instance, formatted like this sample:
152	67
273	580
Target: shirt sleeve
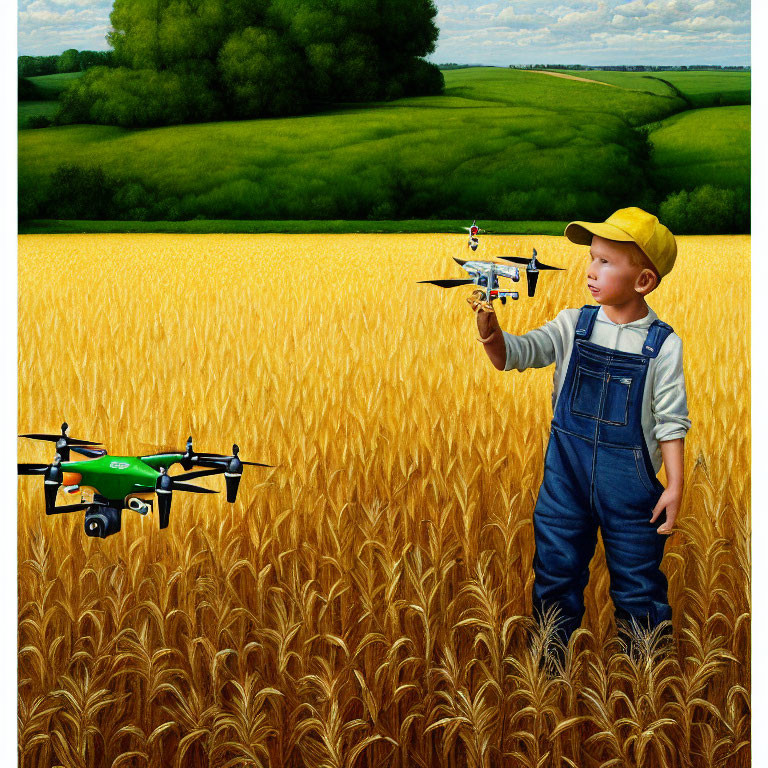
535	349
670	404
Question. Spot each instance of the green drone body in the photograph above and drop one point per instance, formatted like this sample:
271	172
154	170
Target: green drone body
119	476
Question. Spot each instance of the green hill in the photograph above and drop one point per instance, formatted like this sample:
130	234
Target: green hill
28	110
44	99
702	146
50	86
499	144
701	88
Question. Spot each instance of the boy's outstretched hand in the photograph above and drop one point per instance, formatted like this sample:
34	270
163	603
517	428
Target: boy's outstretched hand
489	329
487	323
669	501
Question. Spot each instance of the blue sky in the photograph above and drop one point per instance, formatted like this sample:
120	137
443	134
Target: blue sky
520	32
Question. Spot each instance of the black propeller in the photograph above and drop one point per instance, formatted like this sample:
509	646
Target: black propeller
231	465
533	265
63	441
32	469
166	485
448	283
194	475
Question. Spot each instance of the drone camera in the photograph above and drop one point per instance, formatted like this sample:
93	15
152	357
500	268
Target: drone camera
102	521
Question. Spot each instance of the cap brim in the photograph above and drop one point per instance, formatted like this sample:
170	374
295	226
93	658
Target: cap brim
581	232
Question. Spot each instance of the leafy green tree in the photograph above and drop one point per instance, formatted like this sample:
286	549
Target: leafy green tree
69	61
262	74
133	98
90	59
33	66
707	210
249	58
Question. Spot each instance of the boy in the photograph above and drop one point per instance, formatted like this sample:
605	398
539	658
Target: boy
619	410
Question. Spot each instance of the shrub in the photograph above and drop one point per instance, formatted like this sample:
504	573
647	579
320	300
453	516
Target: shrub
77	192
422	78
38	121
133	98
707	210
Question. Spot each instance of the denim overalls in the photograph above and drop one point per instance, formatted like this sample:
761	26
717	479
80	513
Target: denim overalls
598	472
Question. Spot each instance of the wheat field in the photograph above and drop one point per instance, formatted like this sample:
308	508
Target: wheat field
364	601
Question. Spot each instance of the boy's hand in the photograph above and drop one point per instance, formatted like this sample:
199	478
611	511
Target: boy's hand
669	501
487	322
491	335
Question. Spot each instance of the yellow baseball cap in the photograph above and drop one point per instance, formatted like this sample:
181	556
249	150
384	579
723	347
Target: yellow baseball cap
631	225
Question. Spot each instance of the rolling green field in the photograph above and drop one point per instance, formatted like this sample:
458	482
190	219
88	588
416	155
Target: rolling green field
50	86
499	144
29	109
48	89
695	147
703	88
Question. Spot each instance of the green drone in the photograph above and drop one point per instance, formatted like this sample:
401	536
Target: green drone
121	482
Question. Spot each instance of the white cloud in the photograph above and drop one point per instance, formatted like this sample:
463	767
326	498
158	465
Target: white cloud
512	19
711	24
639	31
584	19
634	8
609	31
51	26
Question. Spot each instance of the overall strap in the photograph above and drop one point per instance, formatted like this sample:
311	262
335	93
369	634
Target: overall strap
657	335
586	321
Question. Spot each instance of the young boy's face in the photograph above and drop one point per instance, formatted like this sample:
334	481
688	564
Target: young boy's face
611	276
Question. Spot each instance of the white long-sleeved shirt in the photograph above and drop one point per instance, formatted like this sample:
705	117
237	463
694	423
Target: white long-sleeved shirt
664	407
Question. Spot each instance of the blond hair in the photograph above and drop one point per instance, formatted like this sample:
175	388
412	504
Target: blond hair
638	259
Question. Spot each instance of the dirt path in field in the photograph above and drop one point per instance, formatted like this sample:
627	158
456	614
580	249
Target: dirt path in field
571	77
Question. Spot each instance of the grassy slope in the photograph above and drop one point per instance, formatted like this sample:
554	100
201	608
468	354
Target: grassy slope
52	85
703	87
28	109
703	146
49	87
631	80
497	134
494	132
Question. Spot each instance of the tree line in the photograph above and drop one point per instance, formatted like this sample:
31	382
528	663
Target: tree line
70	60
77	192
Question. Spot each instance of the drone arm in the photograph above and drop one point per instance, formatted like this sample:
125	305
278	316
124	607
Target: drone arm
167	460
91	453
